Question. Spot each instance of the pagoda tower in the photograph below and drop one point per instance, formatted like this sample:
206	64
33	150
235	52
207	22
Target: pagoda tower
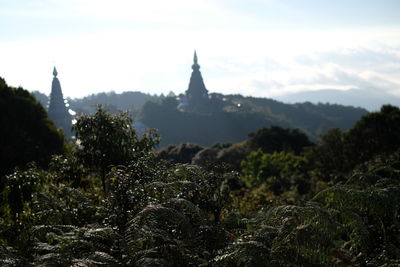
58	112
197	94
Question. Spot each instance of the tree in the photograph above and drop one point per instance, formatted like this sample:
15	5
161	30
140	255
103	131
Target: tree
182	153
374	134
27	133
328	157
108	140
276	139
258	166
339	152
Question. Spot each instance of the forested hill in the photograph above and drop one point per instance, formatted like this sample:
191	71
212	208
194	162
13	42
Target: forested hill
225	118
230	118
111	100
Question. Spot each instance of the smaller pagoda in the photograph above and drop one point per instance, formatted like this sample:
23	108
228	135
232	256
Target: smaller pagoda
197	94
58	111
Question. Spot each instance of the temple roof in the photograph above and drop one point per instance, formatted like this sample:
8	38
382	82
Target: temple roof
58	111
197	93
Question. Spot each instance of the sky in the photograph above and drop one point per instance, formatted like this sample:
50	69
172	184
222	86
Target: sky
263	48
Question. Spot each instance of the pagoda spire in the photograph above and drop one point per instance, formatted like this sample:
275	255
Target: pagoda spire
197	94
195	57
195	64
58	111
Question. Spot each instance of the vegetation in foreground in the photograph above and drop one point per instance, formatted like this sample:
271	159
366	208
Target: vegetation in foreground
109	201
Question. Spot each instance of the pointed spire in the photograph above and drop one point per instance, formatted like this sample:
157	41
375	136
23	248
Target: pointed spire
55	73
195	57
197	94
195	65
58	111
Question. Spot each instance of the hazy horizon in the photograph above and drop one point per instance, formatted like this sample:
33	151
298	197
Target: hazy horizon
258	48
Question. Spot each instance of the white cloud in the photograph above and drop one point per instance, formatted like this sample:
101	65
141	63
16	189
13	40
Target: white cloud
254	47
258	62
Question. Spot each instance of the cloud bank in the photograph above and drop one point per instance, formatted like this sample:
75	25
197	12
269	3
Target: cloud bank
259	48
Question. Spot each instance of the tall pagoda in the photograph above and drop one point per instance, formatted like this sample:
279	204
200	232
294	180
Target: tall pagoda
58	111
197	94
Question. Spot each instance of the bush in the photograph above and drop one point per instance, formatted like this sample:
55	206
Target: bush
257	167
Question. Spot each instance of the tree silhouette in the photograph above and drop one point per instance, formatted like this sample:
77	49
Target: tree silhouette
27	134
276	139
107	140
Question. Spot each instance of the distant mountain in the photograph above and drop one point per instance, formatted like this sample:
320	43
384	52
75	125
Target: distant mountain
225	118
111	100
370	99
42	98
230	118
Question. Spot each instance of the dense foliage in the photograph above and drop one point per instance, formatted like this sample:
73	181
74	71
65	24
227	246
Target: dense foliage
26	132
106	140
375	134
277	209
222	118
230	118
182	153
268	140
275	138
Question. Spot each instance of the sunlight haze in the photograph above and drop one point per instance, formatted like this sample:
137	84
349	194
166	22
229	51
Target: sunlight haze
260	48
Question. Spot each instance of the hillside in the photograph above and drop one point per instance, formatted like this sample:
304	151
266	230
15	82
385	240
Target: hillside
231	118
113	101
369	98
225	118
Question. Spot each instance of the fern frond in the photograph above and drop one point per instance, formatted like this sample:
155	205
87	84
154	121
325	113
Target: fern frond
243	253
9	257
157	222
103	259
177	189
299	234
188	209
51	259
40	232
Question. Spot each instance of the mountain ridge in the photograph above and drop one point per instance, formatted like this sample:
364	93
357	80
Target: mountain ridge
225	118
370	98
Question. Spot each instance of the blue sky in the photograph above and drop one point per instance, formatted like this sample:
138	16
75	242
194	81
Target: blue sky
255	47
